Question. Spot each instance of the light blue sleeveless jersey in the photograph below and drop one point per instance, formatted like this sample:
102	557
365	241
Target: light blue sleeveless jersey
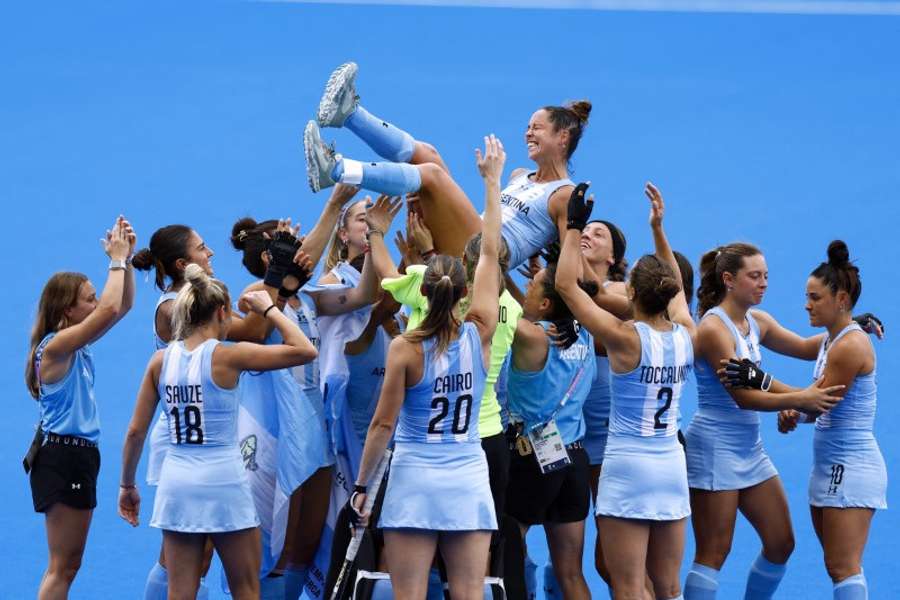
711	394
165	297
535	396
527	226
307	375
856	410
443	407
68	406
645	401
198	411
364	382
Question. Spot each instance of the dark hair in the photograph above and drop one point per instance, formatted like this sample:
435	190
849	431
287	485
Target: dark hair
248	236
687	276
715	263
59	293
619	268
197	301
838	273
472	252
560	309
654	284
167	245
572	117
444	283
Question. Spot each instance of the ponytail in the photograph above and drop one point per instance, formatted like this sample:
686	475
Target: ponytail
444	283
197	301
713	265
167	245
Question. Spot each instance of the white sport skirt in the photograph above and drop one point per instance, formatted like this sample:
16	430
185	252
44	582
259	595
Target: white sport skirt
203	489
439	487
723	455
848	471
643	478
159	445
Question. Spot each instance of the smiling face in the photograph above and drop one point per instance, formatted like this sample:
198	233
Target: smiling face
824	306
544	144
353	233
84	304
596	244
748	286
199	253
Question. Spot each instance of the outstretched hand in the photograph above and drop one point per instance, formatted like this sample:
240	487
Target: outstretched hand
579	210
490	164
380	215
657	206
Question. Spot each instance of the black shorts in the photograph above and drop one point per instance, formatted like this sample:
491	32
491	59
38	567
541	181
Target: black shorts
496	451
563	496
66	474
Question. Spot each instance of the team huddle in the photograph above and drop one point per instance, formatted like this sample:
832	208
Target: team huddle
273	416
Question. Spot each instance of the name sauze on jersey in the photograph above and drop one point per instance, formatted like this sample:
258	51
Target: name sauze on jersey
449	384
665	375
184	394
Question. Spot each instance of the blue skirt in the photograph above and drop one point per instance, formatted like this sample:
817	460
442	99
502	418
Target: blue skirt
203	489
643	478
159	445
848	471
724	455
439	487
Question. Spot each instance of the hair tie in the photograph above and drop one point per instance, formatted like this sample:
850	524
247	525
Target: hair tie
447	277
242	235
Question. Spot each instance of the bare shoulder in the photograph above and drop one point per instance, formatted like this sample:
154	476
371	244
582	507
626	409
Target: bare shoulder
328	279
617	287
253	287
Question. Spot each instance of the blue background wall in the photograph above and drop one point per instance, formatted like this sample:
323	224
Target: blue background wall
780	130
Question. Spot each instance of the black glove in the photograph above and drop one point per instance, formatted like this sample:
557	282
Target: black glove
579	208
281	249
869	322
302	275
745	374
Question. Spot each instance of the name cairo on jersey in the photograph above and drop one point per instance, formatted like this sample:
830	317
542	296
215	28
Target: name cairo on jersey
460	382
184	394
665	375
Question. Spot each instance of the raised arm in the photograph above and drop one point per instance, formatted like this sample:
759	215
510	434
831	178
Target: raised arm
128	287
144	409
779	339
379	217
678	309
614	333
109	307
296	349
483	310
315	241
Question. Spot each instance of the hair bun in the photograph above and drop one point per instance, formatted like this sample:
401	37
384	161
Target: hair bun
143	260
838	253
240	230
582	110
196	276
667	287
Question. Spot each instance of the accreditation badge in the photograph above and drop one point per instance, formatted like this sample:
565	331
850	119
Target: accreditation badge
549	449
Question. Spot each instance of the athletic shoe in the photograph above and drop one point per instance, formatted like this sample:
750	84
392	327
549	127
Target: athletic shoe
320	158
339	99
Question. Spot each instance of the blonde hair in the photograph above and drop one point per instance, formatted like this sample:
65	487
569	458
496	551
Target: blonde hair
338	250
197	301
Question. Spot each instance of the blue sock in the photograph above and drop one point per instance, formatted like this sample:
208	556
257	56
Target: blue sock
382	590
388	141
393	179
203	591
157	586
852	588
530	578
271	588
294	580
702	583
552	591
763	579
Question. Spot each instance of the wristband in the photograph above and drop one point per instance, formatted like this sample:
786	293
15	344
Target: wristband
284	292
115	265
372	232
266	312
359	489
127	487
